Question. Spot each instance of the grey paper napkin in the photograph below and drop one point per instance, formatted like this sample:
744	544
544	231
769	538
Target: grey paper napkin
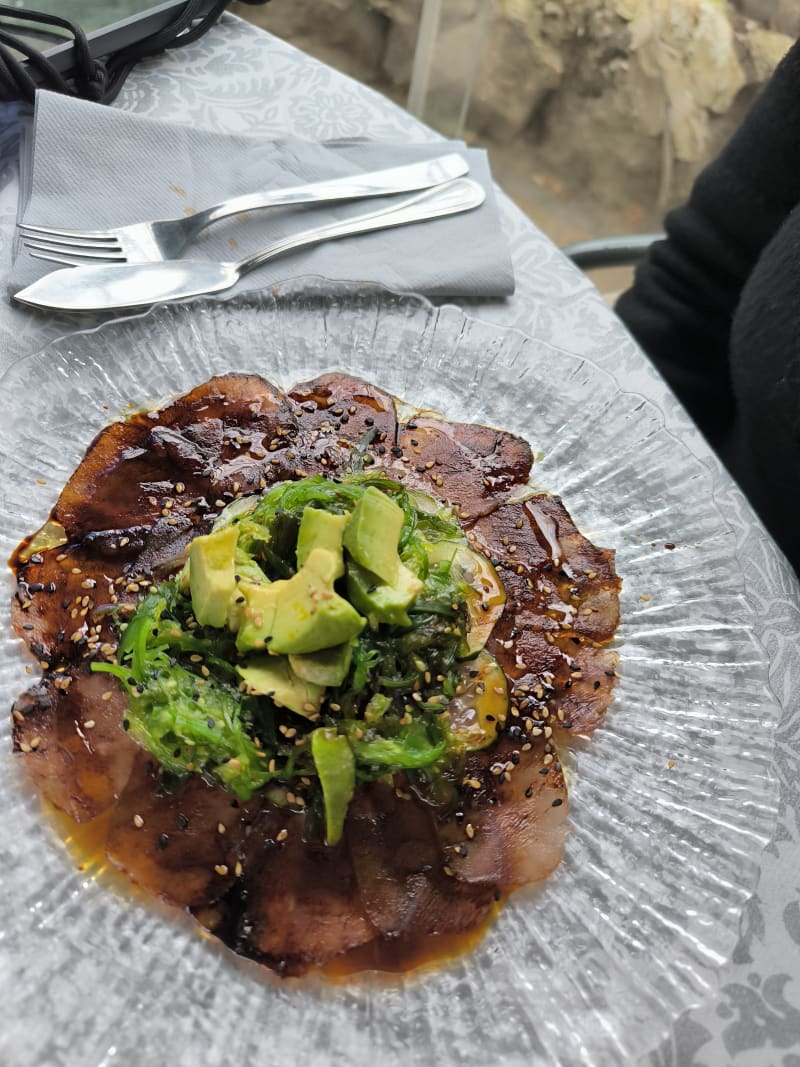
95	167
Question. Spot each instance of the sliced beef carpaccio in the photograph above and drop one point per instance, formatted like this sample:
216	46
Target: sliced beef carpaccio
405	870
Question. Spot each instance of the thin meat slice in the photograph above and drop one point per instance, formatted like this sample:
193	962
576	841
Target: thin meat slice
301	906
473	468
227	431
58	593
336	413
511	829
393	848
562	608
402	867
342	406
69	729
182	845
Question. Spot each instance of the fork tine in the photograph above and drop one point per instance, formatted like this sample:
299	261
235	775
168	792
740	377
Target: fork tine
72	260
69	242
68	261
75	252
79	235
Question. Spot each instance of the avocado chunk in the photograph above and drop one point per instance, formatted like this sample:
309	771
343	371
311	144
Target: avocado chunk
373	533
273	677
299	614
379	601
336	767
255	617
320	529
327	667
212	575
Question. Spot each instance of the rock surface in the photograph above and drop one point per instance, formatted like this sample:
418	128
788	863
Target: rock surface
626	99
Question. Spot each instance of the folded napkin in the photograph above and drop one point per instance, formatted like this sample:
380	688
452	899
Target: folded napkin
94	167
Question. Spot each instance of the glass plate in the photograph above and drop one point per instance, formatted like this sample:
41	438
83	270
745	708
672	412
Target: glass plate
671	805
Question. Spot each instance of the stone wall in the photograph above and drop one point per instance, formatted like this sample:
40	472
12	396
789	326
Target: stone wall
622	99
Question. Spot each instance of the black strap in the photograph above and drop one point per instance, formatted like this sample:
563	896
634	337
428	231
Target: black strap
91	78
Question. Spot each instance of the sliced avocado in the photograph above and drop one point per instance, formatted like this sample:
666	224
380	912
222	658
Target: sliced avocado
336	767
255	617
212	575
320	529
327	667
373	533
299	614
273	677
248	573
379	601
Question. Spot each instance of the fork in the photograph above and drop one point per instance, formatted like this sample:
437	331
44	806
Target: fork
148	242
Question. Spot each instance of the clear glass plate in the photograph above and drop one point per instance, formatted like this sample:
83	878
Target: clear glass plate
673	800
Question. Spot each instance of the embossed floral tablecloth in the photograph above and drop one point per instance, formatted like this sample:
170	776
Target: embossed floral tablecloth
239	78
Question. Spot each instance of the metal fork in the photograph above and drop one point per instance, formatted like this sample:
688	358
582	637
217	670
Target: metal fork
152	242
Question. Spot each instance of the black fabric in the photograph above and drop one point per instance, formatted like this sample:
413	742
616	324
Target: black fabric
716	305
91	79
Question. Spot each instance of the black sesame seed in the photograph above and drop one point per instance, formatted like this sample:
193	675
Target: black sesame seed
557	802
50	587
597	684
182	822
126	724
162	842
529	792
270	843
426	868
35	587
369	421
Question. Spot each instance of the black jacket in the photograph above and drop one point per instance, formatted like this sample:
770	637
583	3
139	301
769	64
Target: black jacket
717	305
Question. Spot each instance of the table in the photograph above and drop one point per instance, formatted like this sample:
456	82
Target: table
753	1017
